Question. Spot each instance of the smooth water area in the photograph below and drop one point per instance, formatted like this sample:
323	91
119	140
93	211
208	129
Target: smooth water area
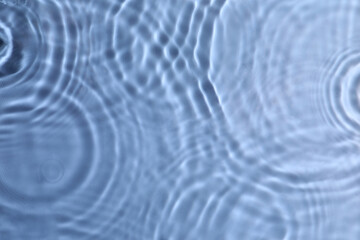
179	120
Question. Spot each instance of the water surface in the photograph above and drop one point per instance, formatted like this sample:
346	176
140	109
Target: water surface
179	120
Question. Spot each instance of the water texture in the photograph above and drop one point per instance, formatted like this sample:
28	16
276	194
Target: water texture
179	120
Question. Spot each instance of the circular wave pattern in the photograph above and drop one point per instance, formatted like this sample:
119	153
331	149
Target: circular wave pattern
285	71
19	41
64	146
5	44
196	119
292	98
341	101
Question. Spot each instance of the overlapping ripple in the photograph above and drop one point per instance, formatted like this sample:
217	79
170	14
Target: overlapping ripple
179	119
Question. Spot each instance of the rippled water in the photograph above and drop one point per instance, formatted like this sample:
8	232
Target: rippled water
179	119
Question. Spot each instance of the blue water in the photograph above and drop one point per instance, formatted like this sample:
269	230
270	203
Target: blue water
179	120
